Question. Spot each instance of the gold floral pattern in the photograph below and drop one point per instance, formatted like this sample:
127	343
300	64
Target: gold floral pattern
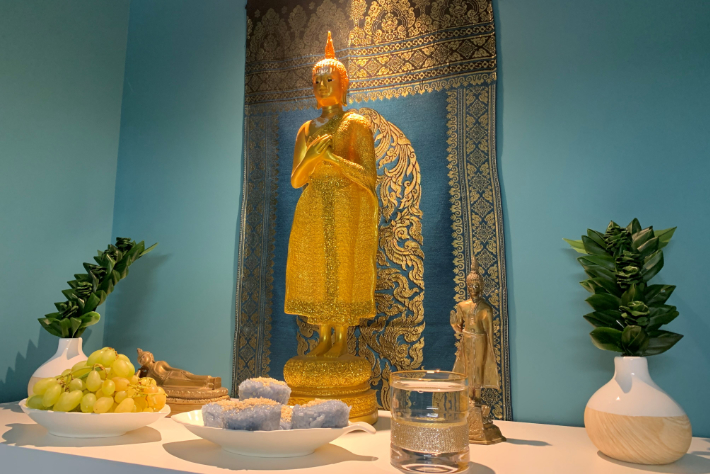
392	49
382	43
256	248
477	216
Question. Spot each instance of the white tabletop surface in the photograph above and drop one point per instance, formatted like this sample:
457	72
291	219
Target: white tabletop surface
166	446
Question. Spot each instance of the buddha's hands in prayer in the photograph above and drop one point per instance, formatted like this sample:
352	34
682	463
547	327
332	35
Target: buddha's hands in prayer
316	152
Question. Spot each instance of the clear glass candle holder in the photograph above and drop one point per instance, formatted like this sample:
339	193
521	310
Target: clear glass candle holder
429	421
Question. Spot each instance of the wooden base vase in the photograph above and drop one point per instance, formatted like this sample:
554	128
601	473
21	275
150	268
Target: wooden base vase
631	419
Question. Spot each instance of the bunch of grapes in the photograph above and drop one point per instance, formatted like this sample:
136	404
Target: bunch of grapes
105	383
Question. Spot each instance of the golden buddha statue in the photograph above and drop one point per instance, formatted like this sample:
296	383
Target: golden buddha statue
472	321
331	269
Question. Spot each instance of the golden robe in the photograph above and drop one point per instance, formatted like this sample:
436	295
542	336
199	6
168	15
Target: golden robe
331	268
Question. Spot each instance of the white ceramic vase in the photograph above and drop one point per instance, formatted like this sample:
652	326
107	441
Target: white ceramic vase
68	354
631	419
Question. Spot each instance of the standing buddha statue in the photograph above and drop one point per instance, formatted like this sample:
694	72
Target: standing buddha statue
331	269
472	321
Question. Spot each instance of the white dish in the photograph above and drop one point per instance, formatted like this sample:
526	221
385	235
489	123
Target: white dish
91	425
267	444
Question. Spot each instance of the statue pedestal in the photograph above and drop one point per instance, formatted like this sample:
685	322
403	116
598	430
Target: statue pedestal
480	429
182	399
345	378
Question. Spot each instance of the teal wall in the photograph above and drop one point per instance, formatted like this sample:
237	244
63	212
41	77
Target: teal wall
602	114
179	181
61	70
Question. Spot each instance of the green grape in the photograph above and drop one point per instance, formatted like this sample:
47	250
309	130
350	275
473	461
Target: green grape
119	396
108	387
42	385
131	368
68	401
93	381
121	383
76	384
51	395
36	402
66	372
94	358
107	357
81	373
126	406
87	402
79	365
123	357
103	405
121	368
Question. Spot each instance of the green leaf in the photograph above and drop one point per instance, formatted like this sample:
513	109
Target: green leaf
149	249
634	340
595	271
65	325
601	285
91	303
608	339
602	301
634	226
658	294
69	293
604	319
659	315
592	247
89	319
648	247
75	325
664	236
641	238
604	261
575	244
652	266
633	293
102	297
597	237
661	341
47	325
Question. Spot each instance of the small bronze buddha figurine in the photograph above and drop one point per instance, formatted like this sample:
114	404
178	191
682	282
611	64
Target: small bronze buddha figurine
472	321
186	391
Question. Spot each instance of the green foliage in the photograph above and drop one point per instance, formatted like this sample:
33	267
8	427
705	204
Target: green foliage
89	290
628	311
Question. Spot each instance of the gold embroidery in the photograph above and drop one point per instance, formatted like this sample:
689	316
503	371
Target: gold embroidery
394	338
476	213
391	42
253	326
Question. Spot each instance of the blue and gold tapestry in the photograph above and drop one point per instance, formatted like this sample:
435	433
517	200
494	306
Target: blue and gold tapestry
424	73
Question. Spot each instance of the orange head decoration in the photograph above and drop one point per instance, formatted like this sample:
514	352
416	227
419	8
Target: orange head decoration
330	78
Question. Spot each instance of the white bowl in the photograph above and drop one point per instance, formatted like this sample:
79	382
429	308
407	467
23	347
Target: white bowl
91	425
267	444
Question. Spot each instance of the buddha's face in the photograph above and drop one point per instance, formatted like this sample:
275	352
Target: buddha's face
475	288
327	87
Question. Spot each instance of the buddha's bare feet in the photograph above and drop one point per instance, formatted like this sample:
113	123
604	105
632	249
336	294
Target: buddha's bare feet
336	351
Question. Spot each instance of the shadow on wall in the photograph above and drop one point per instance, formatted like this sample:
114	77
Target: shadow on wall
14	386
130	305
